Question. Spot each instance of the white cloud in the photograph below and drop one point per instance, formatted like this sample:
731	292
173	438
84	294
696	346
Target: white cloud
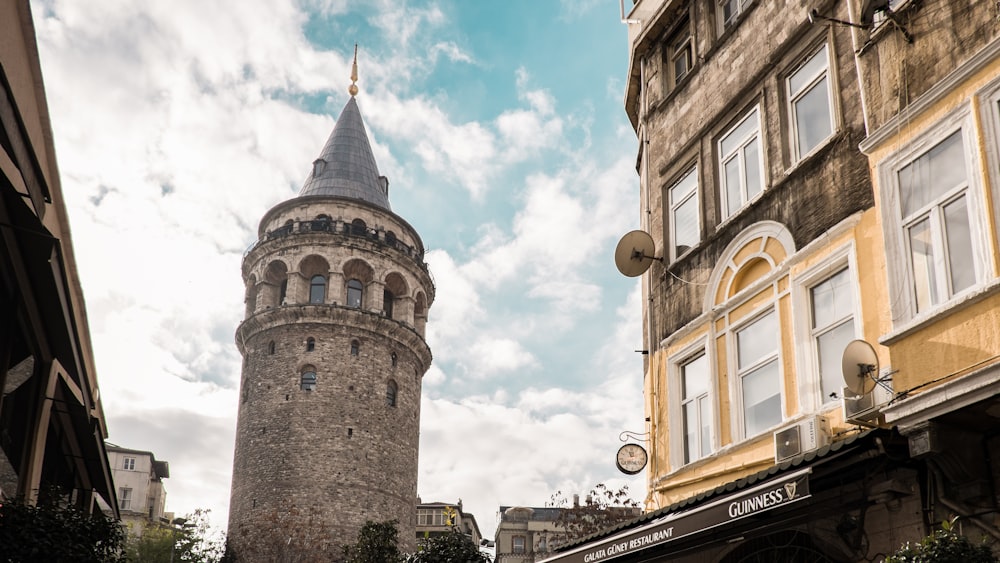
179	124
495	355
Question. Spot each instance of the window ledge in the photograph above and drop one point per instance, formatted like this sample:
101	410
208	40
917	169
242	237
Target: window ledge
964	300
821	149
743	209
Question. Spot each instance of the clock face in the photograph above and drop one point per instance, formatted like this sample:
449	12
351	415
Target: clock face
631	459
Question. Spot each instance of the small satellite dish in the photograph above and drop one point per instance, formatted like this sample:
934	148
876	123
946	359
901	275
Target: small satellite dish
635	253
860	367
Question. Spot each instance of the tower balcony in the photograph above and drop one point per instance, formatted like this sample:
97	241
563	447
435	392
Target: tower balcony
343	229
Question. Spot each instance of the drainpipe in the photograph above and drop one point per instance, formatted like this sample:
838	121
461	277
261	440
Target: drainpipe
855	42
621	4
956	507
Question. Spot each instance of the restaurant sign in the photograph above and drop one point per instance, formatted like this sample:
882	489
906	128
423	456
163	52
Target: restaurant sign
757	500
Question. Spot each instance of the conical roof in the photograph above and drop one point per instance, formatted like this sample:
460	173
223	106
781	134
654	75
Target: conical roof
346	166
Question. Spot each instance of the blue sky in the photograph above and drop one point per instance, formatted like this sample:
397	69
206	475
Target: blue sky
501	129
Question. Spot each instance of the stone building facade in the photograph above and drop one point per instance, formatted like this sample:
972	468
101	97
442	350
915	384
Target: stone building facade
337	295
815	173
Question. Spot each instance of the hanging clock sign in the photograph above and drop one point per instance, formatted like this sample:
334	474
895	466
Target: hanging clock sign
631	459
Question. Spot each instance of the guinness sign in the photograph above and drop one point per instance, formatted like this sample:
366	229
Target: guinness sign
762	498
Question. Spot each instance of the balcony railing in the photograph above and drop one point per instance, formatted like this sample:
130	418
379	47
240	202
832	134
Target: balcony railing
339	228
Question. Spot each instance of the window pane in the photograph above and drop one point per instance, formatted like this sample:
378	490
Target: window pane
739	135
317	289
695	377
734	199
959	235
686	225
813	67
931	175
706	428
831	300
354	294
757	341
752	155
830	348
762	398
922	260
691	432
812	117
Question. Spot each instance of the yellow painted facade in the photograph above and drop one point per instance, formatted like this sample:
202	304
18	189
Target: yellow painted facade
758	276
874	211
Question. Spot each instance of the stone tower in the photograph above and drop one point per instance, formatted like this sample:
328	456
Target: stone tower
337	295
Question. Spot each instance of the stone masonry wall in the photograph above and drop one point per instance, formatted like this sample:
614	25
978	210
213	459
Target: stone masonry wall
311	466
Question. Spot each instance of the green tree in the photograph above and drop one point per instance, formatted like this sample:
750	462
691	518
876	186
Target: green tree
378	542
190	539
451	547
53	532
943	546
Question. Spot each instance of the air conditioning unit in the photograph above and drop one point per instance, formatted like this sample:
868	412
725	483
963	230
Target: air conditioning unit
805	436
863	409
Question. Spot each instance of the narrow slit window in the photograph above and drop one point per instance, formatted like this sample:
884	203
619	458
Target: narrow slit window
391	390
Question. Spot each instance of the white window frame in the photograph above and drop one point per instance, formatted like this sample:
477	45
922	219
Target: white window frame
685	198
989	100
723	158
128	463
125	498
794	97
685	50
737	374
675	373
514	544
902	296
810	386
741	6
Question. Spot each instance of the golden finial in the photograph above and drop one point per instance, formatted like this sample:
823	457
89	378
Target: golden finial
353	90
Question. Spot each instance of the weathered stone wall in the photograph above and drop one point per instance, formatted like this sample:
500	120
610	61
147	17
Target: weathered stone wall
945	34
314	465
746	66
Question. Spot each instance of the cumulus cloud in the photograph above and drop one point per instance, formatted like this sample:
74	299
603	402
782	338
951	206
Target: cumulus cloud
179	124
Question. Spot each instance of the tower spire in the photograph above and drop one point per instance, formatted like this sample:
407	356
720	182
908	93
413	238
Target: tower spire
353	89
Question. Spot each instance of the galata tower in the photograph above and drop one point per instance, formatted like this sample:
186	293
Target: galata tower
337	295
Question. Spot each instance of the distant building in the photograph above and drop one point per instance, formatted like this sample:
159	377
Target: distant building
527	534
52	426
138	478
437	518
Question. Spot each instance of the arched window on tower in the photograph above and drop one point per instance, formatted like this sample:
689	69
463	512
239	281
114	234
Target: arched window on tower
307	381
355	348
354	294
394	358
317	289
390	238
270	348
283	292
310	344
387	300
358	227
391	390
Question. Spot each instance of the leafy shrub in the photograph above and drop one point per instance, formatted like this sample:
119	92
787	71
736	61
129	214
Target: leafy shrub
943	546
57	533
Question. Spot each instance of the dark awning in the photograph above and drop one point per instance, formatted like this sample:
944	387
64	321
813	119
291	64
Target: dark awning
781	494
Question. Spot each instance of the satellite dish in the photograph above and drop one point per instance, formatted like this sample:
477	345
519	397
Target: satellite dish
860	366
635	253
